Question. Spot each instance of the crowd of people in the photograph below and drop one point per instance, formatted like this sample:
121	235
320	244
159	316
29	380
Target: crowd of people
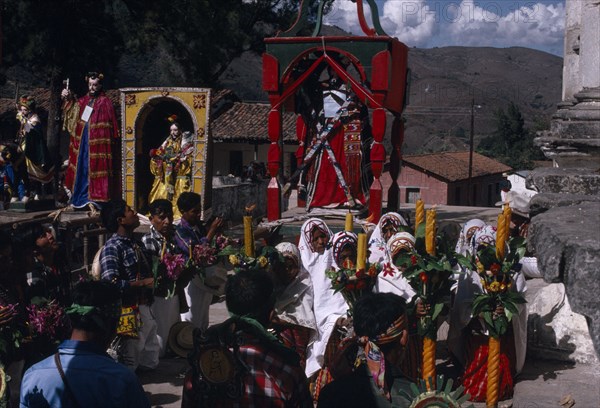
292	339
302	343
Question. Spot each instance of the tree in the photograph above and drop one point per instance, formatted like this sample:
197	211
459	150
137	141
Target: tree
55	39
511	143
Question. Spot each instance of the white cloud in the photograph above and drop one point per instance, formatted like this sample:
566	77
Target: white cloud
427	23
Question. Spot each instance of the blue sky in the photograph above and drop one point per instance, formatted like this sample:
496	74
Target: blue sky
535	24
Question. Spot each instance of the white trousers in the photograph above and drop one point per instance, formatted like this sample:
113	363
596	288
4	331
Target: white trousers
166	313
199	300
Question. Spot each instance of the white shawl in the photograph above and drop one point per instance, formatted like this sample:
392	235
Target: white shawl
294	304
377	243
328	306
396	283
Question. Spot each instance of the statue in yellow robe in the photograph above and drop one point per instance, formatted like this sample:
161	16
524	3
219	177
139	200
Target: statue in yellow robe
171	165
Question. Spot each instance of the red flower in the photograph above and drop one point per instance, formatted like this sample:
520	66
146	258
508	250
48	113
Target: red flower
388	270
423	276
348	264
372	270
361	284
350	286
495	268
360	273
413	260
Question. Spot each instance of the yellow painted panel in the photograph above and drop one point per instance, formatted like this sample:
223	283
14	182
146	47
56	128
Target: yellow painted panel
129	197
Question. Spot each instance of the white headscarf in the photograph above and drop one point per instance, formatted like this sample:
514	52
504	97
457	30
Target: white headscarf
339	241
396	283
294	305
466	234
328	306
377	242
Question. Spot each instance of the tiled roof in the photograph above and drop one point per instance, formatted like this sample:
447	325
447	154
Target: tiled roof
248	121
454	166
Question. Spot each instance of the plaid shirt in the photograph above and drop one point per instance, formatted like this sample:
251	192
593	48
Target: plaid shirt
187	235
154	241
270	381
120	261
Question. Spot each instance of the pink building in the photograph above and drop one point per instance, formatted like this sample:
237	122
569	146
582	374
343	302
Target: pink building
443	178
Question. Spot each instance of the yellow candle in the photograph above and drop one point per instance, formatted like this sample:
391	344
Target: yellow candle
248	236
419	213
501	234
507	217
361	252
430	232
349	222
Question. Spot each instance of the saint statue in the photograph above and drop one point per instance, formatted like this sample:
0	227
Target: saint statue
171	165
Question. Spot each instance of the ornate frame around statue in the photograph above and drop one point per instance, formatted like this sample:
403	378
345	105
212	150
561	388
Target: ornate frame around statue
380	60
134	109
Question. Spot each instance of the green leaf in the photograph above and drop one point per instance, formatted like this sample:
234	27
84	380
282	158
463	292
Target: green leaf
508	313
510	306
437	309
487	317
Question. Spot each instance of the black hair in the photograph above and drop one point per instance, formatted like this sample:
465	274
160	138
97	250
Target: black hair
5	239
250	293
160	206
374	313
111	212
106	298
188	200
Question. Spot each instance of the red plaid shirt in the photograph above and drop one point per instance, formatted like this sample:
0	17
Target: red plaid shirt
270	382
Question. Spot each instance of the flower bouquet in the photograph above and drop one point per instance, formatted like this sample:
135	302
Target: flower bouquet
240	261
353	283
208	253
47	319
497	268
429	269
496	277
10	334
166	270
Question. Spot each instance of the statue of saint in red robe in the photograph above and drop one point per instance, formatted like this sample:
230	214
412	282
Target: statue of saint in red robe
92	124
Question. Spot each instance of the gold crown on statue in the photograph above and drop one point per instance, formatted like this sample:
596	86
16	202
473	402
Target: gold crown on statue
94	75
172	119
27	101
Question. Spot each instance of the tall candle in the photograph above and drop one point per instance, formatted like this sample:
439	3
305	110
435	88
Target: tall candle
507	217
248	236
361	252
501	234
419	213
430	232
349	226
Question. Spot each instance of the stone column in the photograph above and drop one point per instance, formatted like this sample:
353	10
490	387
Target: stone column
573	140
590	44
571	81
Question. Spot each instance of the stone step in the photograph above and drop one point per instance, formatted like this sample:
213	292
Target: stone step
565	180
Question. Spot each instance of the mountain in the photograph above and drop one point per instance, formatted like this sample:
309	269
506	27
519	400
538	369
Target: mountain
443	82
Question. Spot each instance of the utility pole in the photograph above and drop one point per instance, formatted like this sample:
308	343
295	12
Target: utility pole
471	137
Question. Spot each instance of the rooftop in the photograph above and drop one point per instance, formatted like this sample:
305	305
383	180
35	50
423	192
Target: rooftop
454	166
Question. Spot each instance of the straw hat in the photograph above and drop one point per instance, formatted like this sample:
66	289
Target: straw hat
181	338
